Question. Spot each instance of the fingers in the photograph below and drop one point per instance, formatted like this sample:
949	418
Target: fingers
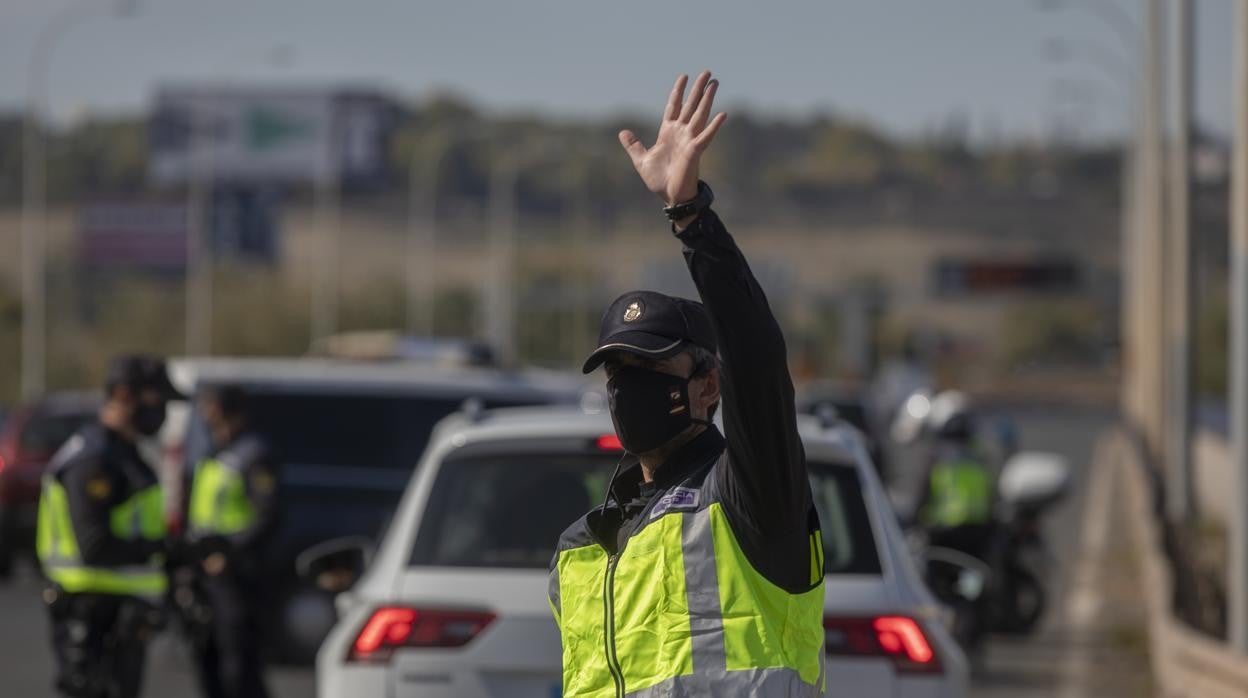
708	134
695	96
703	111
673	100
632	145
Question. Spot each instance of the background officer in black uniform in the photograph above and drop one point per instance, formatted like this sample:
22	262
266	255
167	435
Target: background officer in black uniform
101	538
233	495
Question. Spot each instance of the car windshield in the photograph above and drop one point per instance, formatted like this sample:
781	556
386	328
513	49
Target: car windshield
45	433
509	512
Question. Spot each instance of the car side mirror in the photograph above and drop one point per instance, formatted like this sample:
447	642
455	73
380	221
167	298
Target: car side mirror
1034	479
336	564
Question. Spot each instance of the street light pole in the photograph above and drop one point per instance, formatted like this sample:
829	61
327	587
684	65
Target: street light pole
326	282
1122	73
1150	226
1108	12
34	191
1181	293
1237	585
421	249
201	189
421	273
500	290
499	282
579	326
1114	66
199	243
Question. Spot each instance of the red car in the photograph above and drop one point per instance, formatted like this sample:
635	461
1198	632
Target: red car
30	436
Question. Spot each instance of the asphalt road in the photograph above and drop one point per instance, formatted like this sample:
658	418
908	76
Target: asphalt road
1014	667
1031	666
1026	667
25	660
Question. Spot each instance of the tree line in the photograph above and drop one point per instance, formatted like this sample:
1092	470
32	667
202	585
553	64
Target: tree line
802	164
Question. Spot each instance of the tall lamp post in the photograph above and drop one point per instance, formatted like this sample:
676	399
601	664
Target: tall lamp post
1108	12
1180	272
1140	329
1121	72
199	246
1237	577
422	235
500	288
34	187
578	327
1112	65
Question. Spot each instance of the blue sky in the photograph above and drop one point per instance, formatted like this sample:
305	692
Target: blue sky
904	65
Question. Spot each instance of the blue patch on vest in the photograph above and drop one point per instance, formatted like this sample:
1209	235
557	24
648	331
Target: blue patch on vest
679	499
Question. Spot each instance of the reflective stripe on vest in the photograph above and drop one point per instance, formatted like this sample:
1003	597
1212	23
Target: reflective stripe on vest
682	612
960	494
138	518
219	502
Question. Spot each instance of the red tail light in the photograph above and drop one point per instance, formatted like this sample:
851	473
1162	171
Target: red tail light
393	627
897	638
609	442
8	447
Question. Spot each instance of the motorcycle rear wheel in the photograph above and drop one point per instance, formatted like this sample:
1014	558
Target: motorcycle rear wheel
1021	604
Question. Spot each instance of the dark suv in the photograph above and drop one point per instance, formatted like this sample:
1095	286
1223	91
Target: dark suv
348	436
31	434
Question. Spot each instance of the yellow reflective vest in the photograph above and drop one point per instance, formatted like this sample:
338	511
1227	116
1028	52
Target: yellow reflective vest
961	494
219	503
139	517
680	611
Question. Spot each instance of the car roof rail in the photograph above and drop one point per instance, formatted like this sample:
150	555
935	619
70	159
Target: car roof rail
828	415
474	409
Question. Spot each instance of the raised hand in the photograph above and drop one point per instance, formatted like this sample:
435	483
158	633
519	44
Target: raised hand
670	166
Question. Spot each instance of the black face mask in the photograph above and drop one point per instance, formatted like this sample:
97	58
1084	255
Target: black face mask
148	419
649	408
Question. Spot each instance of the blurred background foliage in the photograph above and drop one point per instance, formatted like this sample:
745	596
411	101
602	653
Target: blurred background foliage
770	160
797	174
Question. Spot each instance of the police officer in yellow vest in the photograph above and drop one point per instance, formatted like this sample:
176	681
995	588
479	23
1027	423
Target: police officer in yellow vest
100	538
702	573
955	503
234	495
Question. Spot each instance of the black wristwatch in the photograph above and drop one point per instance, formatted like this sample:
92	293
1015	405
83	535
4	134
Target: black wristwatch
693	206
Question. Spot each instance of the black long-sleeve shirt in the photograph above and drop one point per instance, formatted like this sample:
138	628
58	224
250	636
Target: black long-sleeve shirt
762	474
99	470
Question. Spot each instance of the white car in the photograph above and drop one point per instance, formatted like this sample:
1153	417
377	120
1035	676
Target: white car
454	603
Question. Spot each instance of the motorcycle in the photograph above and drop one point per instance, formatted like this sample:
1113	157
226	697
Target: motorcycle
999	588
1031	484
962	583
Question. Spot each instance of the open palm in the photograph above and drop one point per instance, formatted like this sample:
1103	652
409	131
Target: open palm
669	168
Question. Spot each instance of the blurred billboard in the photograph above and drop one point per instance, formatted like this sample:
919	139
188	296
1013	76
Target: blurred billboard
956	277
269	136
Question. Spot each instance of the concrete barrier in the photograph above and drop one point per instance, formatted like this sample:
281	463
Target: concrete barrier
1185	663
1212	465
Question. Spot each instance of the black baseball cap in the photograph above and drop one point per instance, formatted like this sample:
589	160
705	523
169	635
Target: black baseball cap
652	325
140	372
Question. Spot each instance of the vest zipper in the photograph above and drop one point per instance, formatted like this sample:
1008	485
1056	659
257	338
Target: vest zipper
613	661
